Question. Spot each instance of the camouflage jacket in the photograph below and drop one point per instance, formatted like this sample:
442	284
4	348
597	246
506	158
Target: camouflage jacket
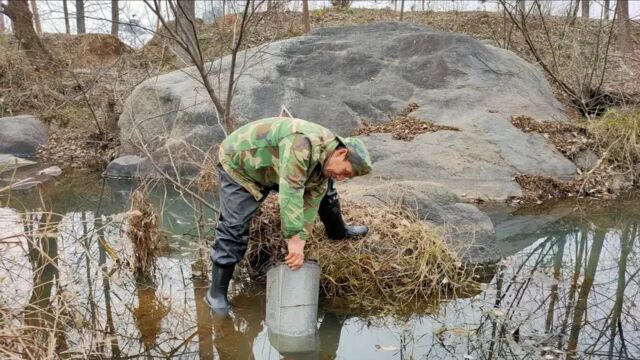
285	152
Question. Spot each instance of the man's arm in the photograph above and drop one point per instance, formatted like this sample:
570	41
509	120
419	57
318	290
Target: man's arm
295	151
294	154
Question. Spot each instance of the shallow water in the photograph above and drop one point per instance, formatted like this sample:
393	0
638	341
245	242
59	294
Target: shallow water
566	287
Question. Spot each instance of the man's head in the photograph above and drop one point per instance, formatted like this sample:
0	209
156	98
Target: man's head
350	159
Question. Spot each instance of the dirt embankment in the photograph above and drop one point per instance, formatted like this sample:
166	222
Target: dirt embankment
80	95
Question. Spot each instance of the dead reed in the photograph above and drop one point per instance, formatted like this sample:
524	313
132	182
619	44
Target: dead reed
144	232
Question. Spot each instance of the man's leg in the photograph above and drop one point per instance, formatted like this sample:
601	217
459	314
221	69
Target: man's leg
237	207
331	216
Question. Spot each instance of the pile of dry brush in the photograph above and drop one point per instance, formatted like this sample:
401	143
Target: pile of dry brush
402	263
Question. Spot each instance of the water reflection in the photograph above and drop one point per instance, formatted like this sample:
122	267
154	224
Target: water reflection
566	288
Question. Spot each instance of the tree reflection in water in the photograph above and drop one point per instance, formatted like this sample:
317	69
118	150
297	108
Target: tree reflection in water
570	293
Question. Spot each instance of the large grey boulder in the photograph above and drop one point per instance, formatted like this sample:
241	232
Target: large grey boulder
339	77
21	135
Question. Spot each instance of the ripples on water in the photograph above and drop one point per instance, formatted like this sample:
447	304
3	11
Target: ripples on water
567	287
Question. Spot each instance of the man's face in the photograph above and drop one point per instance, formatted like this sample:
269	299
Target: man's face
338	166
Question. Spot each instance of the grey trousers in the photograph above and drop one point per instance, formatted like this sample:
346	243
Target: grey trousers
237	207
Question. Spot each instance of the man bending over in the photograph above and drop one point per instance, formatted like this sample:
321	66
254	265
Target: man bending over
300	160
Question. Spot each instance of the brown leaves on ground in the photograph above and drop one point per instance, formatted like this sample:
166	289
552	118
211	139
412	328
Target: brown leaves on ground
402	127
72	148
538	188
207	179
568	138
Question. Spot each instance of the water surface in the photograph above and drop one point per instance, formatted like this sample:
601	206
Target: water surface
566	287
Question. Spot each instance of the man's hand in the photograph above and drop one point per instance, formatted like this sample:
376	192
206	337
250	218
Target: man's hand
295	253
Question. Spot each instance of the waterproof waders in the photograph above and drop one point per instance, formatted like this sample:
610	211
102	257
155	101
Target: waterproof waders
237	207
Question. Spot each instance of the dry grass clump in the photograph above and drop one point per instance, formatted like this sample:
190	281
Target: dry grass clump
617	135
403	126
144	232
402	263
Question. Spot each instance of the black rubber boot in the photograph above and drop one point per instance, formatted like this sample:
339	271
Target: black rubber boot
216	297
331	216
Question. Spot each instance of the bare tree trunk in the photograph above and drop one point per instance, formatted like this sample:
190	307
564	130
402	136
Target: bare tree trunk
623	26
305	16
607	9
575	13
186	16
19	13
557	267
422	5
581	245
115	17
585	9
585	290
401	10
36	17
522	6
628	237
158	22
65	9
80	17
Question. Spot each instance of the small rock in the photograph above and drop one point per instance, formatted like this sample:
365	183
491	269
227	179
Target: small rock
127	166
586	160
51	171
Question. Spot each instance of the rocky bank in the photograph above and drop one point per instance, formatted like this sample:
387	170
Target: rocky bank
340	77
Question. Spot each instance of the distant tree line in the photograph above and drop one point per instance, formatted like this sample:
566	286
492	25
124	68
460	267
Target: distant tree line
27	22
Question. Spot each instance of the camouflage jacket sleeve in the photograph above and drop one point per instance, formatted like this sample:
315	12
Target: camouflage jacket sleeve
312	197
298	204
